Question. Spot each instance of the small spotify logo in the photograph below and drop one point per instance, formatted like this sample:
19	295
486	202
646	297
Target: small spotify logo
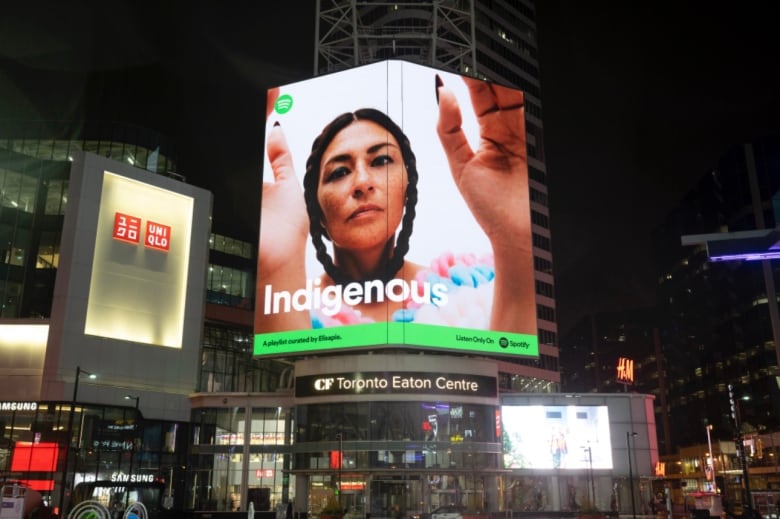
283	104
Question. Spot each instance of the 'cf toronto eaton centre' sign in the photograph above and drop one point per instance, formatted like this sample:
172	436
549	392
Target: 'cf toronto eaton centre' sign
406	382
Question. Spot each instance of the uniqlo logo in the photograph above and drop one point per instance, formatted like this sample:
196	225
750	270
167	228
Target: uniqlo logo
127	228
158	236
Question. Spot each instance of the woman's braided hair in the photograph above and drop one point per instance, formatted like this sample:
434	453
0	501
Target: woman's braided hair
311	182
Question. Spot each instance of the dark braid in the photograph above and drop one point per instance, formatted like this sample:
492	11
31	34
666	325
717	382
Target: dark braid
311	183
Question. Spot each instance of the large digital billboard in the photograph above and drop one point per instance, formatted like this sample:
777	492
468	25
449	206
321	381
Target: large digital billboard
395	211
556	437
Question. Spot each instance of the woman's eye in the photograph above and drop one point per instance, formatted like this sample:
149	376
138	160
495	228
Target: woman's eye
382	160
337	174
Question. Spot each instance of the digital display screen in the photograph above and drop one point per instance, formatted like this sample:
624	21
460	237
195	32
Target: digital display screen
395	211
556	437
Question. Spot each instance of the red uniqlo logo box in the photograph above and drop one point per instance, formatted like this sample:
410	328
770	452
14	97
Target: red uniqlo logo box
158	236
127	228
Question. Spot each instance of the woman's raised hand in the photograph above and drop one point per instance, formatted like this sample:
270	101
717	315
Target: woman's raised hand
285	224
493	179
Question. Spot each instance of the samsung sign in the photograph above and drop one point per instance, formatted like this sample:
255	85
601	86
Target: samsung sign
406	382
18	406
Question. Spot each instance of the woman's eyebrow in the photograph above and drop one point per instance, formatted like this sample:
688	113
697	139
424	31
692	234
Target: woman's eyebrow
341	157
380	145
345	157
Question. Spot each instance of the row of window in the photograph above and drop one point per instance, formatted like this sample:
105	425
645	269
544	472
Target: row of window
505	72
544	289
540	219
231	246
115	141
537	175
538	197
545	312
541	242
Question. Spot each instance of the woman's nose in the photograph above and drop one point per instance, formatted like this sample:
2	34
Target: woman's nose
362	181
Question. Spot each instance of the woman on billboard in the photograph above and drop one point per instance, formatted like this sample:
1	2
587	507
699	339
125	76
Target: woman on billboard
360	193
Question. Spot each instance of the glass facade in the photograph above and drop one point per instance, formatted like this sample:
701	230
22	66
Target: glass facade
237	448
34	171
97	444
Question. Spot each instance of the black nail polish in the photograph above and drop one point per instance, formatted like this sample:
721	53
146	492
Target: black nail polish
276	123
439	83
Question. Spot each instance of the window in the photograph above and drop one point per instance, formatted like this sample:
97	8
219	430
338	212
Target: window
56	197
545	312
541	241
543	265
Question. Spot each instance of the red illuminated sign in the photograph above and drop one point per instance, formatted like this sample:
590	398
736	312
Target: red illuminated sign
34	457
336	459
625	370
158	236
264	473
41	485
127	228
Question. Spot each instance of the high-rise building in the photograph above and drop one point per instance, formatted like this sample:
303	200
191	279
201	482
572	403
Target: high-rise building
715	316
495	41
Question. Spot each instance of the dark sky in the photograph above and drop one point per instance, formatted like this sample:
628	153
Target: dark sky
640	99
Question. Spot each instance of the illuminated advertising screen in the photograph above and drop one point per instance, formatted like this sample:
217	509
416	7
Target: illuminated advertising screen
556	437
395	211
141	259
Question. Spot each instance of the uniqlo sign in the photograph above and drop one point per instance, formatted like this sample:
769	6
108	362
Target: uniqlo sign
127	228
158	236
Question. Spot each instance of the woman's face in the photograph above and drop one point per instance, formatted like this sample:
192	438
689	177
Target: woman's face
362	186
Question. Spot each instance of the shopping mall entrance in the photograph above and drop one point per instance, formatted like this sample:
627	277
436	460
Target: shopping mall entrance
390	496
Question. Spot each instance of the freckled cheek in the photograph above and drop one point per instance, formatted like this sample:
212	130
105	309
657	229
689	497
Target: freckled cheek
330	206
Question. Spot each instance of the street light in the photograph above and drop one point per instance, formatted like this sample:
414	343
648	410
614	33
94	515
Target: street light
132	447
629	435
69	437
340	436
131	397
592	489
740	447
711	462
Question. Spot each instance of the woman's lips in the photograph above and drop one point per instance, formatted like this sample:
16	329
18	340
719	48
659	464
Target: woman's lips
363	209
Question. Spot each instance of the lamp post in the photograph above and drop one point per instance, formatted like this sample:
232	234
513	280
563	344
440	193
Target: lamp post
132	447
592	489
131	397
340	436
69	437
711	461
630	435
740	447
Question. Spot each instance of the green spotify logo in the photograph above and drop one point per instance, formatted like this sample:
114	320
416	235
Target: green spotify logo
283	104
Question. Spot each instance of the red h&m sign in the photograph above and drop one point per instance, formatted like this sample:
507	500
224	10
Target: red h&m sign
158	236
127	228
625	370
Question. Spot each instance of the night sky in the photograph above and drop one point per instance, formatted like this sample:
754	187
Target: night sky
640	99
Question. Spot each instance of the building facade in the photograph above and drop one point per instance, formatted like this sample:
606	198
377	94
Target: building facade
495	41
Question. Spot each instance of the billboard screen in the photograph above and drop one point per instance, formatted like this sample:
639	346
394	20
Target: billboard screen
395	211
141	260
556	437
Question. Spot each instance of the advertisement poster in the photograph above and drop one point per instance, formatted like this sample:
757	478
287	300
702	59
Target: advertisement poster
556	437
395	212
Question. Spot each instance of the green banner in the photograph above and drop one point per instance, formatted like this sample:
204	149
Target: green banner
487	342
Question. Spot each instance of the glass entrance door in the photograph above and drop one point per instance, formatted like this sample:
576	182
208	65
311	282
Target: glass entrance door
395	497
